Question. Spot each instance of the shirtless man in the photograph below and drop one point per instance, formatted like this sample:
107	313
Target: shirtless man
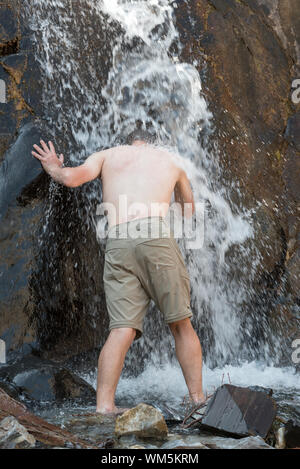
138	266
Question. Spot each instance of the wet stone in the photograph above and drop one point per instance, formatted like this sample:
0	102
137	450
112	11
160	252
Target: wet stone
292	435
292	133
8	27
144	421
240	411
184	442
14	436
170	413
251	442
42	380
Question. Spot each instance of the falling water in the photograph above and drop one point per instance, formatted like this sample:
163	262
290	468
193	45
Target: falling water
108	64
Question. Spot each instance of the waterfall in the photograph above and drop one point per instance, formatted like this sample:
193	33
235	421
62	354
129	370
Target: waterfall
108	64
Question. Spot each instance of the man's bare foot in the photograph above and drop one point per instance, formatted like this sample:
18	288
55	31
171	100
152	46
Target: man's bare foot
194	403
197	399
114	411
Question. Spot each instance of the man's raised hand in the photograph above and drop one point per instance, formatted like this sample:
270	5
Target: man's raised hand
47	155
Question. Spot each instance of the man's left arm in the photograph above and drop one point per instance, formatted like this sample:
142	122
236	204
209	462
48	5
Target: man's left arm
184	194
70	177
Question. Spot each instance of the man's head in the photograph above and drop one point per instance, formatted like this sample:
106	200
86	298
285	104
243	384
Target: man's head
140	135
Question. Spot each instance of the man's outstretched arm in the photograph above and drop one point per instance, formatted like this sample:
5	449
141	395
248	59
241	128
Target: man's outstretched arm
70	177
184	194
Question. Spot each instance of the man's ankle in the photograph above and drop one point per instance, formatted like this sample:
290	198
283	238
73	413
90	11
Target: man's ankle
197	398
106	409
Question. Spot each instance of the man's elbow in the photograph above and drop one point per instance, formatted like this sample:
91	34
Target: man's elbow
69	180
189	209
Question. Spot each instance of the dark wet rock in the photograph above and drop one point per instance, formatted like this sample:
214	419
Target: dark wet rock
31	85
292	133
42	380
8	29
16	253
15	65
21	178
170	413
19	168
14	436
10	389
293	268
270	239
8	117
240	412
292	435
144	421
70	386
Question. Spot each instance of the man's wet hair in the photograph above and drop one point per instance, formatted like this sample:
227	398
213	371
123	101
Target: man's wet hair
140	134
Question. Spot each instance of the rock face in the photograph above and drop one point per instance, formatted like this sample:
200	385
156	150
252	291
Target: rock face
250	60
51	297
41	303
144	421
42	380
14	436
20	181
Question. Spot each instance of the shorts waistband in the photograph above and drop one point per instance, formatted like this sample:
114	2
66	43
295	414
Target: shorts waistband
148	227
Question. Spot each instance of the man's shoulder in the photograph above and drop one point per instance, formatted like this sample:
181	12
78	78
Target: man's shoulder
175	158
109	151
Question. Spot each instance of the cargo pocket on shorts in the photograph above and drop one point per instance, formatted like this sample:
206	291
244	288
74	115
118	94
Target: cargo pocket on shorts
158	255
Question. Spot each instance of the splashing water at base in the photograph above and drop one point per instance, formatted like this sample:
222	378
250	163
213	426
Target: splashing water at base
166	385
136	75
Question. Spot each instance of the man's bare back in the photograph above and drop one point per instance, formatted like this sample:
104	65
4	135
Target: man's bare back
138	180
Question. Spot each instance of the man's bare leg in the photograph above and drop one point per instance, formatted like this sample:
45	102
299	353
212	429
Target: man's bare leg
110	365
189	354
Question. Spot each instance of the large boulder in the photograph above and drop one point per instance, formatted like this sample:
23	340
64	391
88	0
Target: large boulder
240	412
43	380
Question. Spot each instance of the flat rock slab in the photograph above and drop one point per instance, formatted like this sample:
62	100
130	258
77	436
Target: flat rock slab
250	442
240	411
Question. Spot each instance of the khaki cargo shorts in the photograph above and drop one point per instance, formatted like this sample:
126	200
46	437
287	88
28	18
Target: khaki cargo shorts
143	262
